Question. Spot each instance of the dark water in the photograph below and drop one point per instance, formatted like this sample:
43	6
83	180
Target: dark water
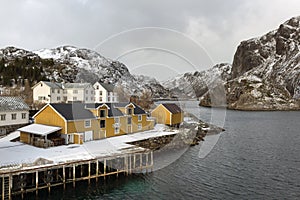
257	157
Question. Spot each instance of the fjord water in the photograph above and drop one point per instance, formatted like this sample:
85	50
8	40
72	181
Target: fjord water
257	157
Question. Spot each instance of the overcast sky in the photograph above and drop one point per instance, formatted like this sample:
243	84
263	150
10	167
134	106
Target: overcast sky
189	33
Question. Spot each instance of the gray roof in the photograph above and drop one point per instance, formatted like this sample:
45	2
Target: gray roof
172	107
137	110
53	84
76	85
74	111
12	104
112	111
108	87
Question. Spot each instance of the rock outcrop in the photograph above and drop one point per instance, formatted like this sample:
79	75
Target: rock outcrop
266	71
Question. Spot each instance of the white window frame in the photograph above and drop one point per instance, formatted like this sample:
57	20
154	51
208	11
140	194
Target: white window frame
140	118
75	91
24	115
14	116
101	110
3	117
117	130
89	123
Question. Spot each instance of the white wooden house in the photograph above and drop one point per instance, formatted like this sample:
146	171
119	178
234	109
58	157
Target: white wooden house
51	92
104	93
14	113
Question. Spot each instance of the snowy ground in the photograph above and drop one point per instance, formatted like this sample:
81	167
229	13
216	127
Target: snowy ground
16	153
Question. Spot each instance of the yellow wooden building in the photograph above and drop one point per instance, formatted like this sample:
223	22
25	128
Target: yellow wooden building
80	123
169	114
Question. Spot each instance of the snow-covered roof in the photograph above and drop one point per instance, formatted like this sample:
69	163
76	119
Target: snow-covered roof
14	153
108	87
77	85
39	129
12	104
53	85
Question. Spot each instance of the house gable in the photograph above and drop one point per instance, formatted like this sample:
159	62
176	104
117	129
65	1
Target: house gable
49	116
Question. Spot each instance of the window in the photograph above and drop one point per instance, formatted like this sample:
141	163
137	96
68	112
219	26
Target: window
100	93
23	115
129	120
3	117
129	111
102	113
74	98
117	120
14	116
108	99
92	98
65	92
53	90
41	98
58	91
139	118
139	127
87	123
117	130
58	98
97	87
86	98
102	123
75	91
100	99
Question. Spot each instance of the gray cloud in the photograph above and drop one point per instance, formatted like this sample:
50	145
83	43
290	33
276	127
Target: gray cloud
217	25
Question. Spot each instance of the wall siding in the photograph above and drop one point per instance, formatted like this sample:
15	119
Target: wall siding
24	137
49	117
162	115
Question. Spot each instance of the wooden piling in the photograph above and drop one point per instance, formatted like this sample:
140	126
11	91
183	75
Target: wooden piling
74	175
97	170
89	172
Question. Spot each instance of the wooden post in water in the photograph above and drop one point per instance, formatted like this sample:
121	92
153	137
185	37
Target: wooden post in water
89	172
104	170
134	160
37	182
147	164
141	162
74	175
129	157
10	186
3	188
97	169
151	161
64	176
126	165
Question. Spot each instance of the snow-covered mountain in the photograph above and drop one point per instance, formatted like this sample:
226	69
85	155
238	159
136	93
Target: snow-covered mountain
266	71
196	84
71	64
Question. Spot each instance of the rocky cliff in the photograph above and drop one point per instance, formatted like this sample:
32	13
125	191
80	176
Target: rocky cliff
266	71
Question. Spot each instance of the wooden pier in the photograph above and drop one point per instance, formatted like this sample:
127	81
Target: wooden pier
32	179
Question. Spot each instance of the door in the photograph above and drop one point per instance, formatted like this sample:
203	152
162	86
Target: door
129	129
88	136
